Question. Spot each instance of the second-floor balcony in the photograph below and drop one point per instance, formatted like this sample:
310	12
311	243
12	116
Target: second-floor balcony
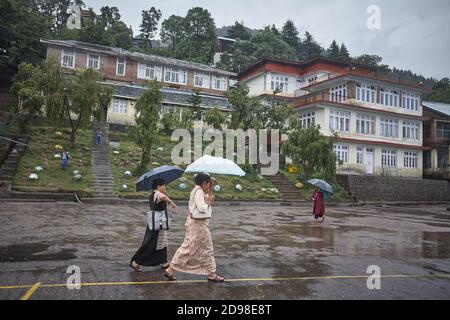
437	132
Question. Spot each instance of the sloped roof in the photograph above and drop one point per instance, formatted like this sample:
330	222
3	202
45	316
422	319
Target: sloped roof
443	108
172	96
136	55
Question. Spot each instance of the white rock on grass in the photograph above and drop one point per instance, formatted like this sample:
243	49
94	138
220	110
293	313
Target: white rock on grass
33	176
160	149
123	187
128	174
38	168
155	163
76	172
116	152
58	156
238	187
77	177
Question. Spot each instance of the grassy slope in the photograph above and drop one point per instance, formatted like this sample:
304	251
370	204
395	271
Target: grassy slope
53	178
130	152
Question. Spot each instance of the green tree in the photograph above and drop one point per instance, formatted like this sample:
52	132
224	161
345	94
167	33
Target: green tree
309	48
289	34
170	122
145	132
75	99
238	31
245	108
215	118
272	114
334	51
195	102
149	25
173	31
441	91
344	54
26	91
200	41
55	11
311	152
105	95
368	60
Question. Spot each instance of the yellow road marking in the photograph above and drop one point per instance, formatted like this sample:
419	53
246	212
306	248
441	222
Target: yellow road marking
31	291
99	284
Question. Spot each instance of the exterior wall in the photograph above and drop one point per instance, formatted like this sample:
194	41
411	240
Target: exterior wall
108	65
118	118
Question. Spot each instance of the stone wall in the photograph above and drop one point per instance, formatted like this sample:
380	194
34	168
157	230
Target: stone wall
391	189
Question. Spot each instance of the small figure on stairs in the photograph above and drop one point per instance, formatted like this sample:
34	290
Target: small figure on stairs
98	137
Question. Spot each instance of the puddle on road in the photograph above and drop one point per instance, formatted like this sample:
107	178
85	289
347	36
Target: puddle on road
33	252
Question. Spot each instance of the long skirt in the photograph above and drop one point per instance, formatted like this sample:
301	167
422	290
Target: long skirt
153	251
196	254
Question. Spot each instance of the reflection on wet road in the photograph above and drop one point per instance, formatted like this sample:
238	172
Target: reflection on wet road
39	242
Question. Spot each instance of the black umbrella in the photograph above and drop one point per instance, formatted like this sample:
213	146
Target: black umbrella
167	173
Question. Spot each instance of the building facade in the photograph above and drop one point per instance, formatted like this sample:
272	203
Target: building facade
377	120
436	136
127	73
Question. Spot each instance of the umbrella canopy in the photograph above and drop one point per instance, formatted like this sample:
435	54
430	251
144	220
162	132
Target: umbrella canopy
167	173
323	185
216	165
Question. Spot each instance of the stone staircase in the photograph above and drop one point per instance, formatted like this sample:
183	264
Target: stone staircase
287	190
394	189
101	167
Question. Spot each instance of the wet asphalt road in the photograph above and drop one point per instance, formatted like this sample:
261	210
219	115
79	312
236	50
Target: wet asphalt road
268	252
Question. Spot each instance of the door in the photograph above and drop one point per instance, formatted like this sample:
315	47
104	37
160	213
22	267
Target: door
369	161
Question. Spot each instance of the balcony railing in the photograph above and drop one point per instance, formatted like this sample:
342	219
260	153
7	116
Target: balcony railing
319	97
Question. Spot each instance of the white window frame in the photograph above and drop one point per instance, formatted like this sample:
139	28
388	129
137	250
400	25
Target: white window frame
389	97
410	159
202	80
338	93
339	121
410	130
360	155
222	80
279	82
119	106
124	66
64	54
410	101
307	119
341	152
173	75
389	158
389	128
365	124
366	93
89	58
147	68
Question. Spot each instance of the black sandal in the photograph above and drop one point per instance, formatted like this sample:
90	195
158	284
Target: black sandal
169	277
216	278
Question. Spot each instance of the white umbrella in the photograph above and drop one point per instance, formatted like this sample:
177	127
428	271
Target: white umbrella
216	165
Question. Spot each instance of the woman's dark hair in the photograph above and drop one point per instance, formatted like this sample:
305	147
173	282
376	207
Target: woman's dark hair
201	178
158	183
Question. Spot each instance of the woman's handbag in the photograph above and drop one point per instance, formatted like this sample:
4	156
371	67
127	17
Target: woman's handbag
158	220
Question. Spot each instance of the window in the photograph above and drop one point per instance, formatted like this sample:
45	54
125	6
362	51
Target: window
339	93
93	61
202	80
341	152
388	158
175	75
410	160
389	97
411	130
68	58
219	83
410	101
279	83
443	130
339	121
365	124
359	155
121	65
120	106
389	128
307	119
149	71
365	93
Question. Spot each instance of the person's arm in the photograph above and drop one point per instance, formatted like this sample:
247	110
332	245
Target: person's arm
165	197
201	204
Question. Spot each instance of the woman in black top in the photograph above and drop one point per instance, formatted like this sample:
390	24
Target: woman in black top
153	250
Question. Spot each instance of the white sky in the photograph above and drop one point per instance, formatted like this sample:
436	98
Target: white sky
414	34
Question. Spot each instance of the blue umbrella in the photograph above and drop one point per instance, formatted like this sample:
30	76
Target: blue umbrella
167	173
323	185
